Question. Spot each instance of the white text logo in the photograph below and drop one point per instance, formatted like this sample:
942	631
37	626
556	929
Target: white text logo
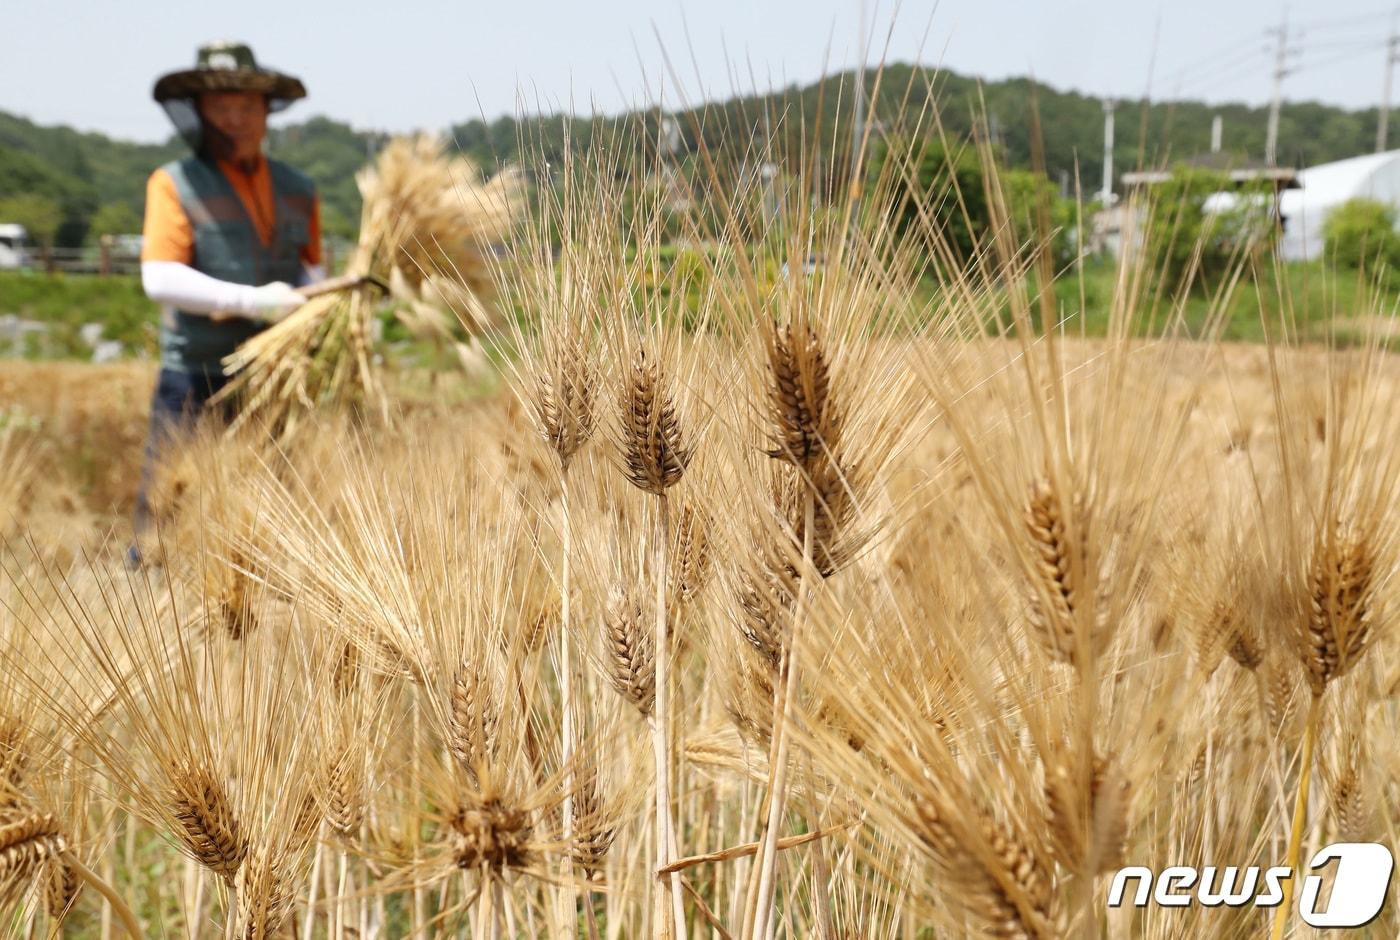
1358	889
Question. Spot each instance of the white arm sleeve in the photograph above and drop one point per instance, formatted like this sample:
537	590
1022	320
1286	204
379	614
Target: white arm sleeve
182	287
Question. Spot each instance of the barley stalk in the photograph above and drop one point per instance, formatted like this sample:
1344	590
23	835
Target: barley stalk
807	427
1336	634
654	458
118	904
785	692
1300	815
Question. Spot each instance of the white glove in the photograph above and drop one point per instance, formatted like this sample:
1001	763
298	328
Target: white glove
272	302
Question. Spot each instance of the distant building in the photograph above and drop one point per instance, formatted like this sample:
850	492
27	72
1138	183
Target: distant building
1328	185
1119	227
1241	172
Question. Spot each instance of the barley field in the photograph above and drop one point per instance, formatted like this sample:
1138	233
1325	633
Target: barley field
750	601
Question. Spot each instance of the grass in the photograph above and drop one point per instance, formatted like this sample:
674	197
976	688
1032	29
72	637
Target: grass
1313	295
1318	298
66	302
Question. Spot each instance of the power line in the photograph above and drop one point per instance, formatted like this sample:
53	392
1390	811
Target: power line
1314	66
1209	57
1232	59
1200	82
1201	76
1325	23
1354	45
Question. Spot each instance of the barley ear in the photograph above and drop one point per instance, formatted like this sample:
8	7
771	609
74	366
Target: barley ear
265	895
1002	882
1099	840
207	825
630	647
28	842
804	417
1058	562
471	721
61	888
654	454
565	390
1340	602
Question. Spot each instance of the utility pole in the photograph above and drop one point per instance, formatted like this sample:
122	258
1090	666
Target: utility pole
1217	133
858	118
1280	71
1106	195
1392	53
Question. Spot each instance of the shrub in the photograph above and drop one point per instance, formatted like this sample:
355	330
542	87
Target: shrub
1361	233
1026	192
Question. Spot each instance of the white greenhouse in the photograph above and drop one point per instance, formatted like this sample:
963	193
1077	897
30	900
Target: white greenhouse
1328	185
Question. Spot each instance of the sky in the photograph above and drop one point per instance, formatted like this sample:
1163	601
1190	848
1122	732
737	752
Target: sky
410	64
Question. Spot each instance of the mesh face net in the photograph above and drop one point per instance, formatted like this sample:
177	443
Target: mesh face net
204	141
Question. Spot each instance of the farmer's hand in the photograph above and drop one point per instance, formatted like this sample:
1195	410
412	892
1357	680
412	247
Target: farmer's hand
272	302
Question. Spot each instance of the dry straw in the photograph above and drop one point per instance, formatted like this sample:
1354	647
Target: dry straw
426	229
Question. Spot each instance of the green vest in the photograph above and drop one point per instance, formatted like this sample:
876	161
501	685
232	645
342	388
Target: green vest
227	247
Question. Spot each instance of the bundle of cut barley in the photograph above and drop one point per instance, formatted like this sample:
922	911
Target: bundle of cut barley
426	231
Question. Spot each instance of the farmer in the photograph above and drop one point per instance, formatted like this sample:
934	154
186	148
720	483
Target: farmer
228	233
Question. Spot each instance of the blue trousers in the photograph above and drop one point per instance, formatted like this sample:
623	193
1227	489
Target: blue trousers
180	399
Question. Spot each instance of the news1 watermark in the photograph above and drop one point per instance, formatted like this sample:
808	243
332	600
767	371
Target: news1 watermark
1360	885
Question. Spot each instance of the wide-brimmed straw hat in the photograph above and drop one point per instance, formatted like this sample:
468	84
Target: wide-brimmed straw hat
228	66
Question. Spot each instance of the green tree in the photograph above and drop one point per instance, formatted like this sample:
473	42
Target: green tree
1361	233
1026	193
932	193
113	218
40	216
335	224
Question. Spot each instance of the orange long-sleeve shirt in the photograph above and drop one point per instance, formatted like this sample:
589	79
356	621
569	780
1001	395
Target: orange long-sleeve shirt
168	235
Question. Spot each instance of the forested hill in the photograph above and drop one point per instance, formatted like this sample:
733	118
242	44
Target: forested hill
83	172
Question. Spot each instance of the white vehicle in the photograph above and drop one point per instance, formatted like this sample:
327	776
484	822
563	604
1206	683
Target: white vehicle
127	244
12	245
